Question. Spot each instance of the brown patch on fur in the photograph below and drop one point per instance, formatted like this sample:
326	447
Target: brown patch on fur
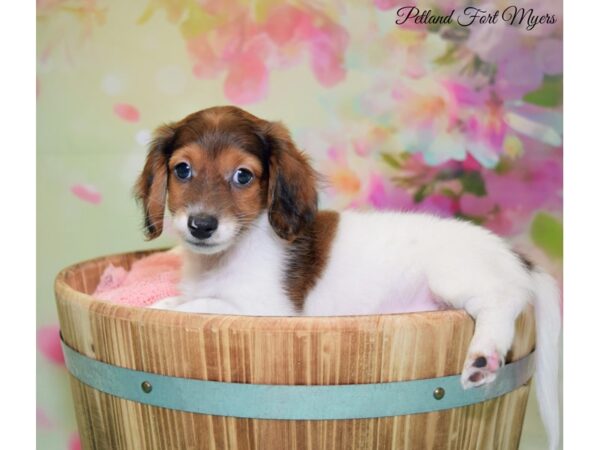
210	184
292	185
151	186
308	255
231	158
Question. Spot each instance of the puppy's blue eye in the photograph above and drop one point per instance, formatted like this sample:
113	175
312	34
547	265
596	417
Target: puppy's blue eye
242	177
183	171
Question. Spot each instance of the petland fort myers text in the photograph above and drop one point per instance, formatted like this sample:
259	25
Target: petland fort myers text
472	15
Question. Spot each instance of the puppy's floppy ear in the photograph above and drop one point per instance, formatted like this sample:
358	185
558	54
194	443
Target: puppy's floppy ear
292	192
151	185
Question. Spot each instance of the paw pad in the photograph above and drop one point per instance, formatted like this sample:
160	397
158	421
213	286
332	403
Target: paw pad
480	362
476	377
480	369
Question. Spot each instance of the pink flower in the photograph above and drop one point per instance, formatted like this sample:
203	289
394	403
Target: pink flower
382	196
532	183
48	343
471	163
517	76
207	64
42	420
247	81
336	154
439	205
445	120
326	43
287	23
327	57
74	442
384	5
485	133
521	60
127	112
87	193
248	48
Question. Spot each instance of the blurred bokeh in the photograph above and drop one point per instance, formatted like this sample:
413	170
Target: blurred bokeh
457	121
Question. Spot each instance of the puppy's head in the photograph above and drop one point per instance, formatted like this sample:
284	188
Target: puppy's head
217	170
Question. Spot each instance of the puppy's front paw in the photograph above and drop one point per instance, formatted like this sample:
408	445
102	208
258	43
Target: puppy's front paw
480	368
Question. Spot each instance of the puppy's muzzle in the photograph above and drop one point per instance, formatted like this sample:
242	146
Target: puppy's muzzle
202	226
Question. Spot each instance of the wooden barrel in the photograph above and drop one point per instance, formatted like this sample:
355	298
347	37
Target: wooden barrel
352	351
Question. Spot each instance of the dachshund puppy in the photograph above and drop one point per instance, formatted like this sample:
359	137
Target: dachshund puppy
244	205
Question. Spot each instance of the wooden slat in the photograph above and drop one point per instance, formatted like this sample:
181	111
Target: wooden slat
276	350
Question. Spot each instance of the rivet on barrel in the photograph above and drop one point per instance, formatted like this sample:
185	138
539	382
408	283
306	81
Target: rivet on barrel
439	393
146	387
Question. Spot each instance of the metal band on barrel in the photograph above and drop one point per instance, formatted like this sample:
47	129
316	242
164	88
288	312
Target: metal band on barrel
292	402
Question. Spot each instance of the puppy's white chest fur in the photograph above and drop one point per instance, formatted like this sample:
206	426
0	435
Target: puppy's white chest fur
245	280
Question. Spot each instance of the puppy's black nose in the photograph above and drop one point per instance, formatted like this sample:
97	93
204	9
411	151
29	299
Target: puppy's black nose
202	226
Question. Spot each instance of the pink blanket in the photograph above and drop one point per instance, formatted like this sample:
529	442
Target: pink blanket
150	279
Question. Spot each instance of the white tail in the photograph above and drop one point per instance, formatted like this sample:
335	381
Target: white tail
548	325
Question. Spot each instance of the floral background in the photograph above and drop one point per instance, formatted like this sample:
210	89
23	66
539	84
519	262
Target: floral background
458	121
